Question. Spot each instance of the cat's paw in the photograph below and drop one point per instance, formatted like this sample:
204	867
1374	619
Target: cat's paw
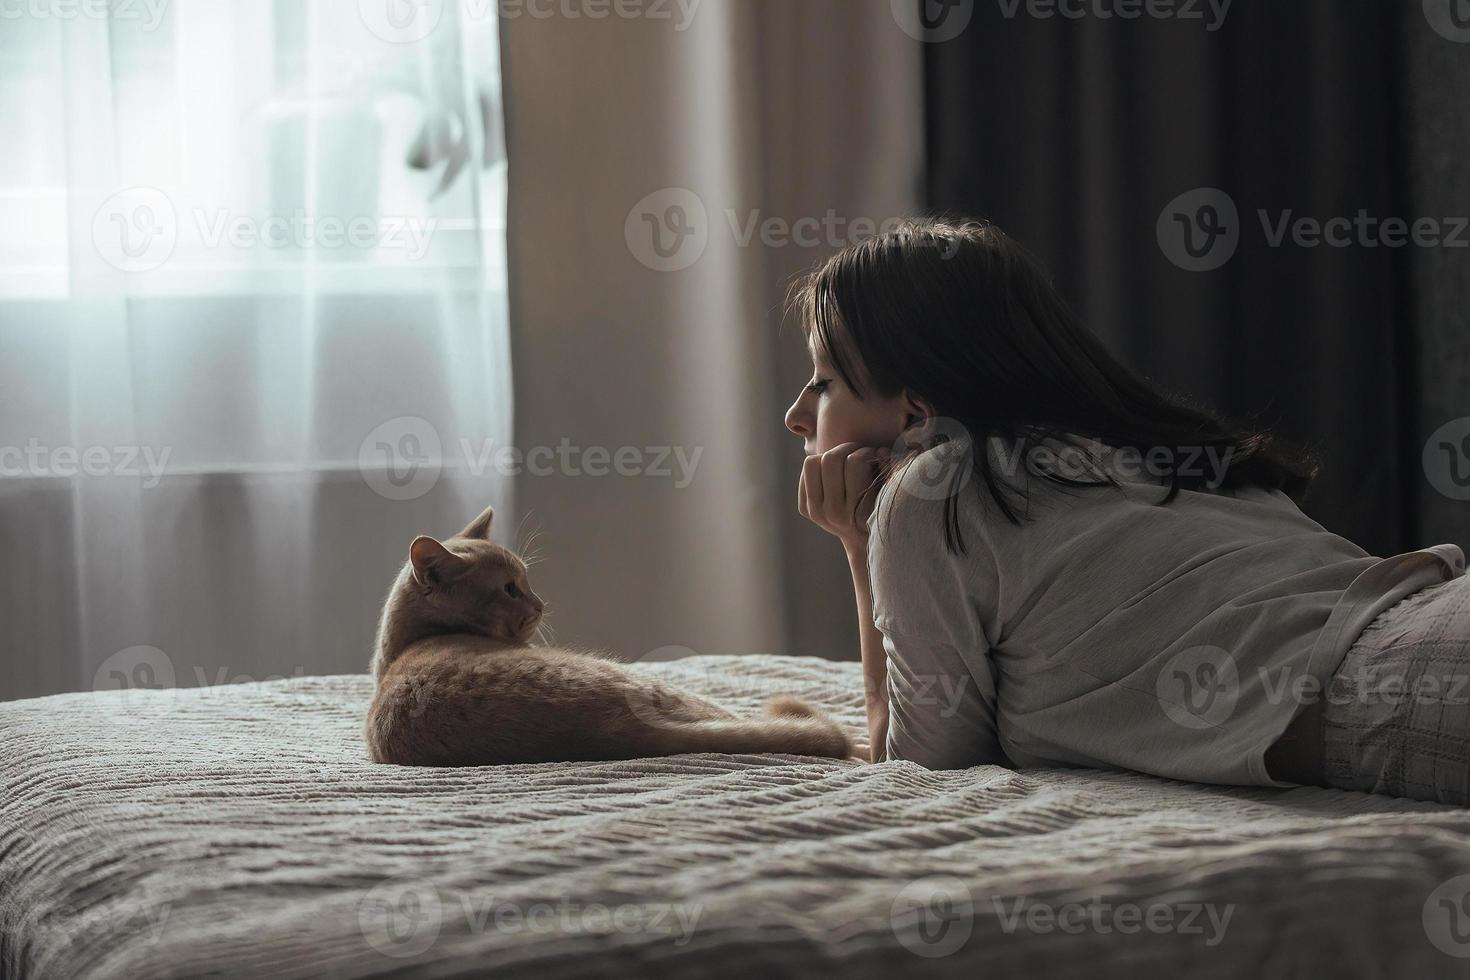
786	706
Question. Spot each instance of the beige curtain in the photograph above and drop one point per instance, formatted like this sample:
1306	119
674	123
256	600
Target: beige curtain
752	137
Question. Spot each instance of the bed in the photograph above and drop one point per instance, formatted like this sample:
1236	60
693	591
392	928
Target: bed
240	831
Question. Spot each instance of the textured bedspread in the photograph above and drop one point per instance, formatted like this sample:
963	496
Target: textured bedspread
240	831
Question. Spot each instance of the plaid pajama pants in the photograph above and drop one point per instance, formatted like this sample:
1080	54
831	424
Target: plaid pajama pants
1396	717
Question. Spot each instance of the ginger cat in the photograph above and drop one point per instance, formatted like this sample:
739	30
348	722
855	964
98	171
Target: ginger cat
459	684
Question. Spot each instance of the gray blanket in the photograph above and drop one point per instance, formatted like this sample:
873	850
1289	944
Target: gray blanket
240	831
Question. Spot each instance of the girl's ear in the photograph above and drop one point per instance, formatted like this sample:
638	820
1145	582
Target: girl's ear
916	413
432	562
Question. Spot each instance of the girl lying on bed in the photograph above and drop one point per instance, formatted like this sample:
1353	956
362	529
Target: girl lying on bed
1057	564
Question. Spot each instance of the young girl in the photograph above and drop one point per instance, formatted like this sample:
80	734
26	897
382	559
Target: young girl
1066	567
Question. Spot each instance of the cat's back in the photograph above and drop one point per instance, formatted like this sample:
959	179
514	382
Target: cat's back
442	688
462	659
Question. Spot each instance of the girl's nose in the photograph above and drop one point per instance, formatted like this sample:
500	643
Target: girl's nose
796	420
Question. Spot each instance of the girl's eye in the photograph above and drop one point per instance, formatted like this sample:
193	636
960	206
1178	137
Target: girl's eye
818	386
511	590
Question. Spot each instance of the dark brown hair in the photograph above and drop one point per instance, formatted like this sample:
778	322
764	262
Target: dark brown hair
962	317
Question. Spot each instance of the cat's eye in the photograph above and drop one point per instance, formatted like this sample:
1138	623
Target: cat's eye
511	590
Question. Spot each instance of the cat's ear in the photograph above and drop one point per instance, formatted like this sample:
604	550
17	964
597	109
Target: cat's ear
480	526
432	562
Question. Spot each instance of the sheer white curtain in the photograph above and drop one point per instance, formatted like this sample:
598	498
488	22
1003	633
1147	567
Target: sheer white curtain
252	328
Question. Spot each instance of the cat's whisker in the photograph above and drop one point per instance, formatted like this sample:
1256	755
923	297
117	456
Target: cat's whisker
526	548
546	627
530	541
530	546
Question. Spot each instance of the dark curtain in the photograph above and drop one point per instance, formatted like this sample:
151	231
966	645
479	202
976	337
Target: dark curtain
1076	134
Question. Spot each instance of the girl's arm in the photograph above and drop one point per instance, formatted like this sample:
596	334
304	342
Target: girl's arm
942	704
837	492
875	658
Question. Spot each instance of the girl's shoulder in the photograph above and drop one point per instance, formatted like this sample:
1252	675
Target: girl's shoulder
934	498
952	481
930	559
923	480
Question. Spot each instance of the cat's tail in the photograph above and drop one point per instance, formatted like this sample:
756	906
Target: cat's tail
786	706
813	734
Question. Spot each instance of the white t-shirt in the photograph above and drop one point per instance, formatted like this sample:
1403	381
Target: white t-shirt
1108	631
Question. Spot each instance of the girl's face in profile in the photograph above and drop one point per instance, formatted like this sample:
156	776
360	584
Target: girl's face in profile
827	413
